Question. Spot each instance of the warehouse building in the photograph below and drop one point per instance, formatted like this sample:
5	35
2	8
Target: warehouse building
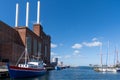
13	42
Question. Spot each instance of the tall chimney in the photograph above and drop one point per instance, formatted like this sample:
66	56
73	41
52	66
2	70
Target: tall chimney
16	18
27	13
38	12
37	27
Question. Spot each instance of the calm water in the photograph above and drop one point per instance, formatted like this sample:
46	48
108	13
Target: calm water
80	73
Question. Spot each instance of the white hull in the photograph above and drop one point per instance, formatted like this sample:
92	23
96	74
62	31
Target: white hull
108	69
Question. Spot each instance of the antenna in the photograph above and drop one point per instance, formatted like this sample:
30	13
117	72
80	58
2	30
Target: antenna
16	18
38	12
27	13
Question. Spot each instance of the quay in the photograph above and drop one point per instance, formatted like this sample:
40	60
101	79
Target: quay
4	74
49	68
3	70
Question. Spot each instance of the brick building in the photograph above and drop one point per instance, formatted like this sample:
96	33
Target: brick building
14	40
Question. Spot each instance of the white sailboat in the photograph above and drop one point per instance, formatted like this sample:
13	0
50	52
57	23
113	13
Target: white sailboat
107	68
113	68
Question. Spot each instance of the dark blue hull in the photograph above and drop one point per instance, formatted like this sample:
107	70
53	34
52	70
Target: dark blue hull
57	68
24	72
118	70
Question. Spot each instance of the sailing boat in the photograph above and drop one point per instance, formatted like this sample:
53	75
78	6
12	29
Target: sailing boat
107	68
28	69
113	68
100	68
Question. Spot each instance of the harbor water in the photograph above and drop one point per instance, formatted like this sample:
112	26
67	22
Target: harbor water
76	73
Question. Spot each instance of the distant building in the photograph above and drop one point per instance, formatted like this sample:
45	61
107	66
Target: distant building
60	63
14	40
54	61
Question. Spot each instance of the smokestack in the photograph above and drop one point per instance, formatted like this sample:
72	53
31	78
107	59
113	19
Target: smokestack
38	12
16	18
27	13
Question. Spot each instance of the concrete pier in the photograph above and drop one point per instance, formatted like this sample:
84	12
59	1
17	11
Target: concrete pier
4	74
3	70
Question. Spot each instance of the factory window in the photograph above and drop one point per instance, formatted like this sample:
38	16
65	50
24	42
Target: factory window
29	44
39	49
35	47
45	50
5	60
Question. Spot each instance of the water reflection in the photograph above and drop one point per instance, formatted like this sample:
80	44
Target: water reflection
43	77
74	74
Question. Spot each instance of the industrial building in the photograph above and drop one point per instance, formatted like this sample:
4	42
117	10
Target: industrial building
14	40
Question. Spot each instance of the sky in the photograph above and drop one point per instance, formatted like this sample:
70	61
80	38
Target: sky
77	27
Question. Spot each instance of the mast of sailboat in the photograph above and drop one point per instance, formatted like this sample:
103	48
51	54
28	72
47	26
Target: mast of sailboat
107	57
27	14
117	61
101	55
26	52
115	56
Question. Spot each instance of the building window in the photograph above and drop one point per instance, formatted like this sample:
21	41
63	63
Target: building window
29	44
35	47
45	50
39	49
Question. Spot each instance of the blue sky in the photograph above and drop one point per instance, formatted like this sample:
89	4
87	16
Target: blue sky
76	27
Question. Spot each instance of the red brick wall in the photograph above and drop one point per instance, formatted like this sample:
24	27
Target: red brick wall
13	41
11	45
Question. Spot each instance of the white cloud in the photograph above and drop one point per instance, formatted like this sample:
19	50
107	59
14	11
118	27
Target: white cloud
94	39
77	46
67	56
52	54
92	44
76	52
55	55
53	45
61	44
58	57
